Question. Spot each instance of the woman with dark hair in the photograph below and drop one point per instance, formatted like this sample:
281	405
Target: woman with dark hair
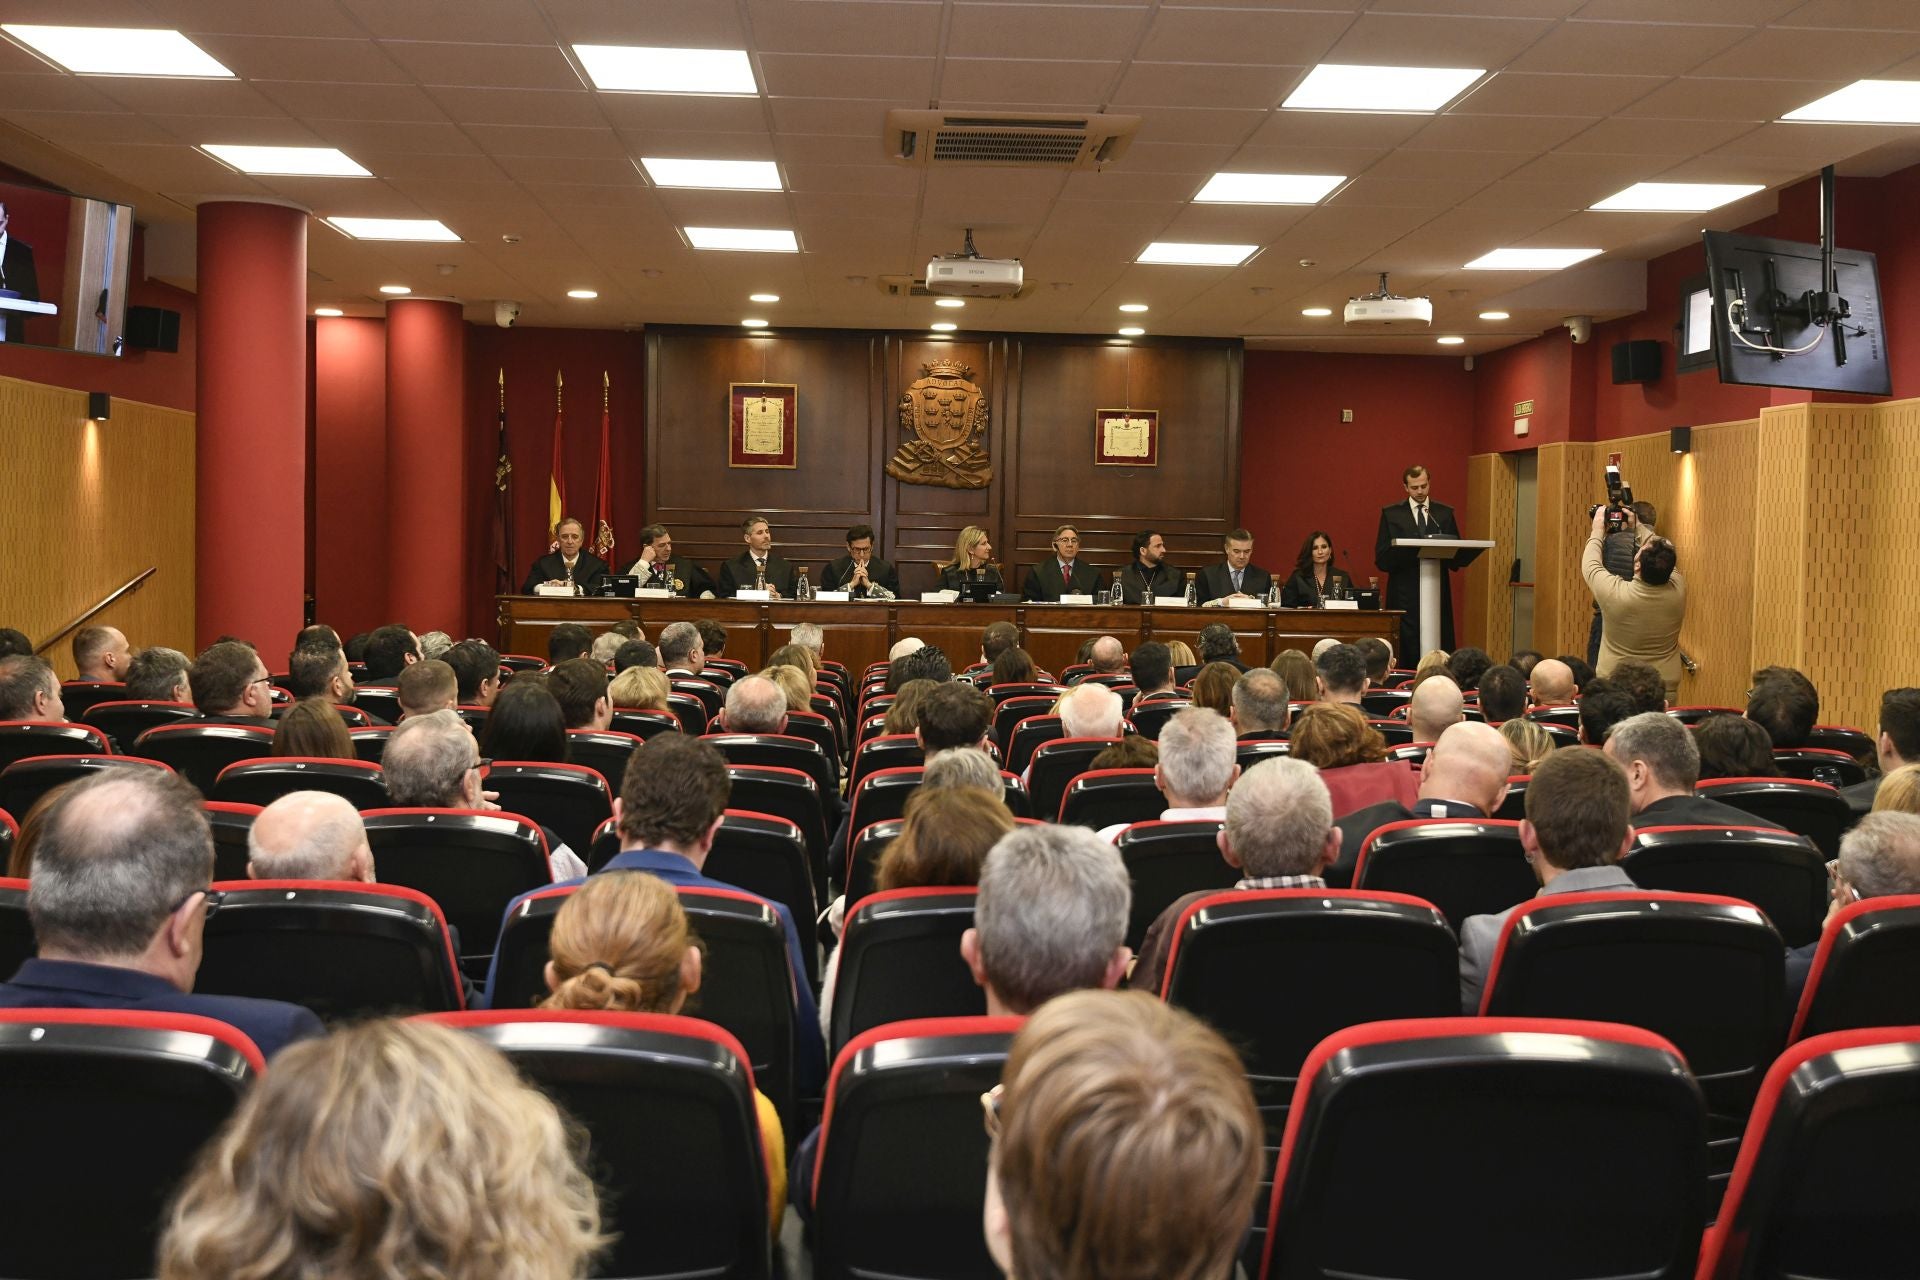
1315	576
1013	666
1734	747
1213	687
312	728
525	724
1335	738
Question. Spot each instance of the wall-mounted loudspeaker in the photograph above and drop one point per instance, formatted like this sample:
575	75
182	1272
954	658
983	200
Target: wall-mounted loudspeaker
153	329
1636	361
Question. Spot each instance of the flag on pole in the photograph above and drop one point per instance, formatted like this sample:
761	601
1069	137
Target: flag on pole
503	502
557	473
603	487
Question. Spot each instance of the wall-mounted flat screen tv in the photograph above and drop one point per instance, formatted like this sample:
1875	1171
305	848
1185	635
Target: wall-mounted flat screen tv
1773	322
63	269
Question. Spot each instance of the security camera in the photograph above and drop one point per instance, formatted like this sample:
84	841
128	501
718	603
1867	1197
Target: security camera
1581	327
506	313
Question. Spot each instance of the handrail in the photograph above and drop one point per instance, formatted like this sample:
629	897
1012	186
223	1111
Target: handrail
131	584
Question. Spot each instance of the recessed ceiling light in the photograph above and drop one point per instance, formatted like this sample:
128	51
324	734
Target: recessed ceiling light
949	303
118	51
1529	259
585	295
1676	197
944	326
1494	315
1132	331
1267	188
624	68
1336	87
395	288
1133	306
763	297
392	228
1197	255
743	239
319	162
754	322
1865	102
1316	311
328	311
1450	341
713	175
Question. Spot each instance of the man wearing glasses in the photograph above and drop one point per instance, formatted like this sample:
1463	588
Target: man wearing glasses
1063	572
231	686
119	903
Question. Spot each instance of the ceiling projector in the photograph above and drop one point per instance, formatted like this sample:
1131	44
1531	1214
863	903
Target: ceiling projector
968	275
1384	307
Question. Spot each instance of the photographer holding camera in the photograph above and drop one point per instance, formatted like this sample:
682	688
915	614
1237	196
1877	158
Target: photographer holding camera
1617	554
1640	616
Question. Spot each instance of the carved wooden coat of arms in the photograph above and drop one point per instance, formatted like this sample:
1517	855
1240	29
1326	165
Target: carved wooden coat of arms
945	418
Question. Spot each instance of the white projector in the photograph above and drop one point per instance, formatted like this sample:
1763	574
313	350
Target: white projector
975	277
1390	311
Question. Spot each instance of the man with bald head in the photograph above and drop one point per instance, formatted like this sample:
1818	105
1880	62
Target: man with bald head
1552	683
1464	776
101	653
1091	711
1436	708
309	835
1109	656
754	705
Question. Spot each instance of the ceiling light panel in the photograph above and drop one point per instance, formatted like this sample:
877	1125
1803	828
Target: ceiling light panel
1676	197
316	162
1864	102
118	51
1178	253
1530	259
743	239
713	175
393	228
618	68
1341	87
1268	188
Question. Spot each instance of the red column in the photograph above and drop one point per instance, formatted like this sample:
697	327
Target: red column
251	456
426	464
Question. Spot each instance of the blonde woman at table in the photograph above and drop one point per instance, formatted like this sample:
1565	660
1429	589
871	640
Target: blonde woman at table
972	570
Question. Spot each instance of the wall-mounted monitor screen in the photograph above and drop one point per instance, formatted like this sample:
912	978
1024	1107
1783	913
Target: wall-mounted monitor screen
1768	304
1693	330
63	269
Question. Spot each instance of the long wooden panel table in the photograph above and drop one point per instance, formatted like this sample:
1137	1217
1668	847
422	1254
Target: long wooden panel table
858	633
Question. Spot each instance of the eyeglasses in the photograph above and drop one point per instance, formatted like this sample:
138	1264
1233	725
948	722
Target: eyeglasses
259	680
214	897
1835	882
990	1110
482	764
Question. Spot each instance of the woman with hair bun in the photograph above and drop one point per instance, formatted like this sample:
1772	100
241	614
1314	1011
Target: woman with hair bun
622	943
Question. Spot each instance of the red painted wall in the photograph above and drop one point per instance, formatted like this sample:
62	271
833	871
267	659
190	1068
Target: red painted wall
351	544
1302	469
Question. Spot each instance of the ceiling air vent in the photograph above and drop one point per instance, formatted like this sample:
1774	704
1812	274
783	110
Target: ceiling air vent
1023	141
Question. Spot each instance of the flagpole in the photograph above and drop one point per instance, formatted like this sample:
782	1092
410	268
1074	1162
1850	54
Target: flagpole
503	499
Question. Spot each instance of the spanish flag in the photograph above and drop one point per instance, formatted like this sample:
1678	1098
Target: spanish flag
556	475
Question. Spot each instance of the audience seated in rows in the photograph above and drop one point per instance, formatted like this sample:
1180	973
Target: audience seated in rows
390	650
1213	687
1503	694
1466	665
427	686
635	653
1108	656
1219	644
568	640
313	729
309	835
928	662
1352	758
1529	742
1733	746
1197	767
434	645
1151	666
1379	656
1464	776
320	672
579	685
476	672
1340	674
1091	711
231	686
1551	684
1879	857
682	652
431	762
159	674
101	653
754	704
1784	703
1297	671
1662	764
1436	706
526	723
30	691
1896	743
1259	708
639	688
1603	704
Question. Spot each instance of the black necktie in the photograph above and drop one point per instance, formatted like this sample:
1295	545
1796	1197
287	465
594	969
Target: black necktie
1424	526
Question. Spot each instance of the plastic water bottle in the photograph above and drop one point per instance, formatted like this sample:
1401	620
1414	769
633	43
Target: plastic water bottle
803	590
1193	593
1273	594
759	576
1115	596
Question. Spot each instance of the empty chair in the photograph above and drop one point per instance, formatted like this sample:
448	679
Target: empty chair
1167	861
863	860
381	700
1777	871
1461	1126
370	743
881	796
231	823
125	721
24	739
1866	970
644	724
24	781
1820	764
1057	763
106	1110
198	752
16	929
868	727
674	1136
1102	798
1027	736
767	855
569	799
781	750
1813	809
1826	1182
606	752
790	794
1464	866
900	1181
900	958
264	781
343	950
77	696
689	710
472	864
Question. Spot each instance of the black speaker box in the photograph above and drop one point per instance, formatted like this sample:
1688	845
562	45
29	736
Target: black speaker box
158	329
1636	361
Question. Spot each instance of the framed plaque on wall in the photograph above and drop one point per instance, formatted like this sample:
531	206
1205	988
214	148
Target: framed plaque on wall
763	424
1126	437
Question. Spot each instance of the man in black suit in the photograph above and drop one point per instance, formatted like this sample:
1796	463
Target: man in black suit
1237	575
1062	573
857	573
17	276
657	566
1417	517
1149	576
1464	776
1662	764
569	564
231	686
1898	744
757	562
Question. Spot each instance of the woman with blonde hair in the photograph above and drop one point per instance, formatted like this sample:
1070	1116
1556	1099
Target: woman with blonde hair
640	689
621	942
1335	738
1528	741
796	655
1899	791
1180	654
389	1149
312	728
1295	669
903	713
1434	663
794	685
972	562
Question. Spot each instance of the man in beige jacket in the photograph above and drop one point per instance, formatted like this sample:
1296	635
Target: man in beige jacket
1642	615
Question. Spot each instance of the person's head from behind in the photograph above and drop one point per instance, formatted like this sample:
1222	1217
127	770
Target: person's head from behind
673	796
1879	857
431	762
754	704
1152	666
680	647
390	650
309	835
579	685
809	636
1603	704
1655	562
1213	686
159	674
1342	674
1332	735
428	685
1296	668
1051	916
1503	694
434	644
1280	821
313	729
621	942
120	872
1468	763
526	723
793	685
1467	665
1732	746
1435	707
29	690
322	1168
101	653
12	639
1784	703
1898	741
798	656
1529	743
1379	656
960	767
605	645
1577	811
944	837
1432	663
1108	655
1013	666
228	679
1259	703
1132	751
1642	683
1197	759
997	639
1524	661
1658	754
713	637
319	671
1551	683
1182	655
640	689
1217	643
1091	711
568	640
928	662
1899	791
476	672
1126	1144
634	653
903	713
953	714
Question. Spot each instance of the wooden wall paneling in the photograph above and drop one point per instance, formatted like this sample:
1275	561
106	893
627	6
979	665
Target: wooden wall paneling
1710	517
1492	490
1847	545
1882	608
1780	537
922	521
1562	606
90	505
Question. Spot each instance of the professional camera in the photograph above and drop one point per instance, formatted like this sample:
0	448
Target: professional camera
1619	501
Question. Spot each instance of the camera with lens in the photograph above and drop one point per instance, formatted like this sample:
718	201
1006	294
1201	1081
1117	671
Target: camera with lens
1619	501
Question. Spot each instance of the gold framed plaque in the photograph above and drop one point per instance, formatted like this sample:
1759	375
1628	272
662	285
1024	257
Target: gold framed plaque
763	423
1126	437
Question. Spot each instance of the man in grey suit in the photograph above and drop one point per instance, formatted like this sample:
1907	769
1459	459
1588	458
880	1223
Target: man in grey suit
1574	833
1236	575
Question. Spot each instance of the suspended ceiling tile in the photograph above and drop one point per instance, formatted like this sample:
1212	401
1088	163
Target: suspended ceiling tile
47	91
321	101
819	75
1485	166
1031	81
1240	35
1450	40
812	148
342	62
1017	30
1200	85
673	23
413	137
1751	13
1519	92
485	66
558	108
601	172
680	112
1337	129
897	27
186	97
245	17
536	140
1498	133
1116	186
811	207
847	117
270	131
854	179
1647	48
1631	135
1859	15
687	144
508	21
1747	101
74	127
432	168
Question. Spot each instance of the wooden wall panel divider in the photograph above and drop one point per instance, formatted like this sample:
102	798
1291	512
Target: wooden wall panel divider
1492	486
